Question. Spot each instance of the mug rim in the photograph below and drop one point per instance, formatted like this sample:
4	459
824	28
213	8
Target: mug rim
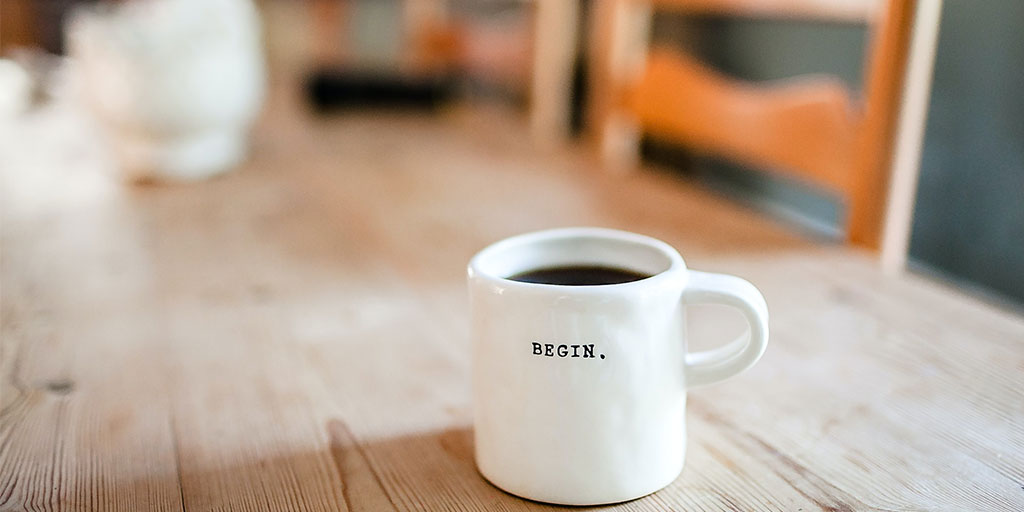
675	270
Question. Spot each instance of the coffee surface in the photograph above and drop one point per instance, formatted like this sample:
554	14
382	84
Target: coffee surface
579	275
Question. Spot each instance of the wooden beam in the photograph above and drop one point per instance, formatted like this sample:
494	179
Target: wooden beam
620	30
803	127
848	11
910	137
554	58
17	24
869	179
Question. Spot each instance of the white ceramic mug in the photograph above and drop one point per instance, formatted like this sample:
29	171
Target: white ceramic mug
597	415
174	84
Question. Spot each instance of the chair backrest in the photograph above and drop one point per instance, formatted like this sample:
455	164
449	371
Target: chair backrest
810	127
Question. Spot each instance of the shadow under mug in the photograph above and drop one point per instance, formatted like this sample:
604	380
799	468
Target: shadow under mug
597	414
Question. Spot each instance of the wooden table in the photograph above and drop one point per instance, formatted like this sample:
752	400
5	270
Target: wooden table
294	336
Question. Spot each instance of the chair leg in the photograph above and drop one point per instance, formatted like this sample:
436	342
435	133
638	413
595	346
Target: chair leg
554	53
620	143
620	31
906	164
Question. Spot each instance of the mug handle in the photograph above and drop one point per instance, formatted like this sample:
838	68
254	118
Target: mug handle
711	366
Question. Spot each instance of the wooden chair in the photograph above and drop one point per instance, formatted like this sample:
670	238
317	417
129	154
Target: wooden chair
812	128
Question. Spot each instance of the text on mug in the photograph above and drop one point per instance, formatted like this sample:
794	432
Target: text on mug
552	350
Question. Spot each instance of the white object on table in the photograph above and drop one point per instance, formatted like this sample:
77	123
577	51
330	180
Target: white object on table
15	88
175	84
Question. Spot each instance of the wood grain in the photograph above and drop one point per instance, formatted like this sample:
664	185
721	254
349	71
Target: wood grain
293	336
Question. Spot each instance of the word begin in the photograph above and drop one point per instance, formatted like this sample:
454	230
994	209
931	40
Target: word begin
553	350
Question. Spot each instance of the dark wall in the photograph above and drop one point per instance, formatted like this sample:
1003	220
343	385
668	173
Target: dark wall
969	216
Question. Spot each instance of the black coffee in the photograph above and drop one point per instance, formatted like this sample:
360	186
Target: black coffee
579	275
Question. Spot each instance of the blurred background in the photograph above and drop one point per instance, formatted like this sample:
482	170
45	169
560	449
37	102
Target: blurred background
176	84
